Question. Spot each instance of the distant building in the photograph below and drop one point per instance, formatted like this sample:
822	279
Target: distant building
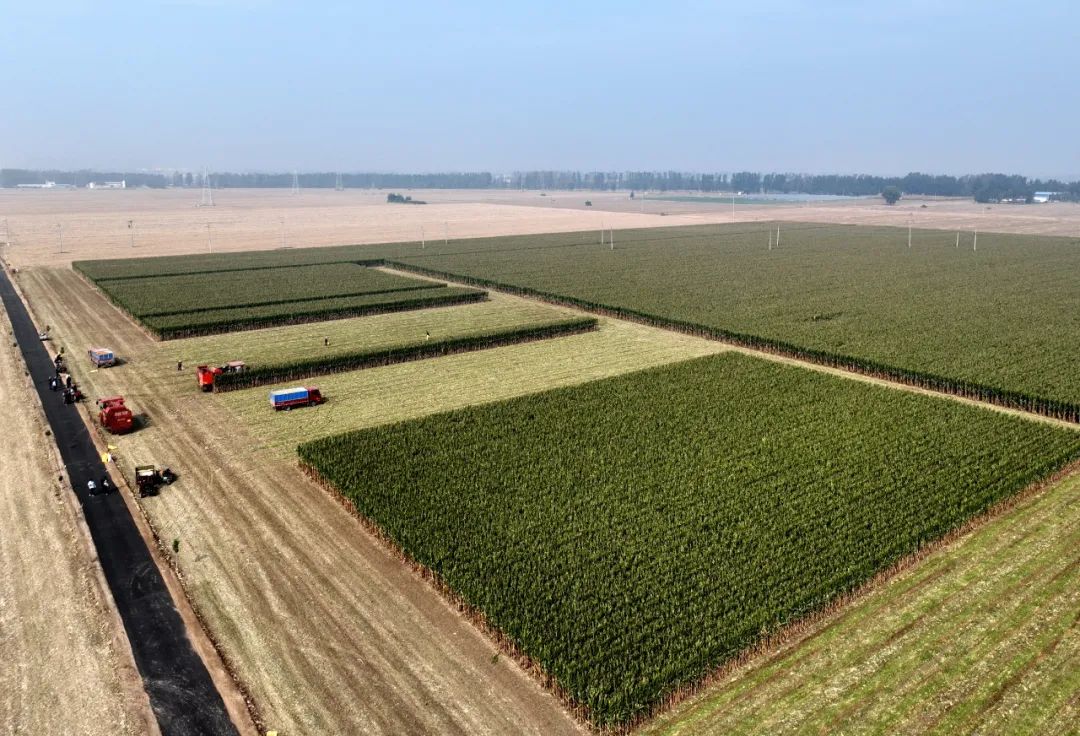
107	185
1042	197
46	185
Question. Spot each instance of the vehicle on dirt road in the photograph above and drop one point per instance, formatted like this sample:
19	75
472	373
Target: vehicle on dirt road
114	416
101	357
148	479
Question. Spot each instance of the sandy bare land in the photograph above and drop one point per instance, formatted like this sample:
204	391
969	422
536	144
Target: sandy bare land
65	665
94	224
168	222
329	631
1058	218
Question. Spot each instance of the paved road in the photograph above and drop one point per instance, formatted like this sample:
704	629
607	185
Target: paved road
182	695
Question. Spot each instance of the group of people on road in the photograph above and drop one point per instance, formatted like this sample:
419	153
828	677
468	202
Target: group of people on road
59	382
103	486
71	390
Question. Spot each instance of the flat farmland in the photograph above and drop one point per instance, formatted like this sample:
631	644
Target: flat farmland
263	347
937	313
633	534
183	304
158	295
858	294
166	222
980	637
233	450
325	627
395	393
287	353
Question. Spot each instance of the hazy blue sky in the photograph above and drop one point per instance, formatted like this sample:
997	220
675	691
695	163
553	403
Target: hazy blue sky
878	87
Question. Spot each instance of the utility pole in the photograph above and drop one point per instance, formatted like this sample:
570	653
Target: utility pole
975	242
601	232
60	235
131	232
446	233
423	239
611	237
777	236
209	239
207	191
957	239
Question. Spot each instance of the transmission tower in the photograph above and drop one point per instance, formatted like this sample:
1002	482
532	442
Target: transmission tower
207	192
295	183
339	186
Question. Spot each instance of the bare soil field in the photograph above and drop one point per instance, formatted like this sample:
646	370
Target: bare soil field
329	632
1058	218
66	666
94	224
167	222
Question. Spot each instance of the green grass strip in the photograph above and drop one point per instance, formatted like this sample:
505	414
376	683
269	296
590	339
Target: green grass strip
317	366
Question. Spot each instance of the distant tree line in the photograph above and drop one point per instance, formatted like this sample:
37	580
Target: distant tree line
981	187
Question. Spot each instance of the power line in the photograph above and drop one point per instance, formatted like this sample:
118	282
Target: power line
207	191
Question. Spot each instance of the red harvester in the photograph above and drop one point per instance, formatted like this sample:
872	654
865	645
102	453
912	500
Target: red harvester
206	375
114	416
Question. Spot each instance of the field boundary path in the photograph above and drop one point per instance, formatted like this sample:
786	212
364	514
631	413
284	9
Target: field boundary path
181	692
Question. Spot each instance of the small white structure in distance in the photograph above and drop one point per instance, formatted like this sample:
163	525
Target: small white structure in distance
1043	197
107	185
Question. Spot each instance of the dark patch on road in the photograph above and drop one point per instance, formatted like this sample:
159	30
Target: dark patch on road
182	694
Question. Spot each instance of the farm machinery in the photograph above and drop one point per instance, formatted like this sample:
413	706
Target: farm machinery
114	416
148	479
287	398
206	375
101	357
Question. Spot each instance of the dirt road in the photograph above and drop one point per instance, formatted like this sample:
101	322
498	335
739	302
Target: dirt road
330	632
183	696
65	665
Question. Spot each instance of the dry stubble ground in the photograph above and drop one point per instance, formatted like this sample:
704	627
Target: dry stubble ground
65	665
167	222
330	632
278	344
